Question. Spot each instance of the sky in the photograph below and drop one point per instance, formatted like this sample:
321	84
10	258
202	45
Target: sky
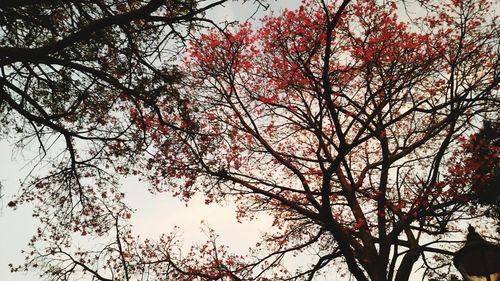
16	227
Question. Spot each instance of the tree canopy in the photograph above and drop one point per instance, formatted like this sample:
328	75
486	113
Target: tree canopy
71	71
351	123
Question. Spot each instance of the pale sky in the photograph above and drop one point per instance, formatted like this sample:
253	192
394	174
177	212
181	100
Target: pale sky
16	227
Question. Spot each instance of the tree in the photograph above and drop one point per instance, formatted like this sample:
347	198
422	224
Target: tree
70	69
342	120
70	73
339	120
480	168
487	187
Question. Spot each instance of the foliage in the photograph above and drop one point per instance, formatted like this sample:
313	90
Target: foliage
342	120
72	70
71	73
487	185
480	168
